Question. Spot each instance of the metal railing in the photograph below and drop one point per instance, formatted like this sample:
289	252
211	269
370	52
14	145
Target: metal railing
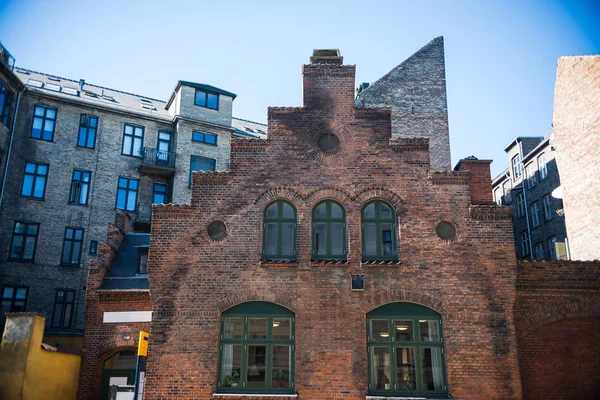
144	213
158	158
6	58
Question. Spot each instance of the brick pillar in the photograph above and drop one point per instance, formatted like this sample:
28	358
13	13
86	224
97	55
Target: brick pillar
480	182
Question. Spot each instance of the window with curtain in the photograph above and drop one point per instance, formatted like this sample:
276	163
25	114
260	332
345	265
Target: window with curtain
405	350
257	349
329	231
279	231
378	231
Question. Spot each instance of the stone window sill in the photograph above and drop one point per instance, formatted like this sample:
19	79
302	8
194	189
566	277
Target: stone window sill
258	395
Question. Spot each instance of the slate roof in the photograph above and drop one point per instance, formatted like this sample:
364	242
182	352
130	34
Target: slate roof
245	128
123	272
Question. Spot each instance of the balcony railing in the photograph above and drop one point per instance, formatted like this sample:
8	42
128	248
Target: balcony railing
6	58
157	160
144	213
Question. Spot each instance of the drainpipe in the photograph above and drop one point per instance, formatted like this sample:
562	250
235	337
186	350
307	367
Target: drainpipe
10	143
525	199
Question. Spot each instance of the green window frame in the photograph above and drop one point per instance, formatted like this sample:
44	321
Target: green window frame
279	231
405	351
378	228
257	349
329	231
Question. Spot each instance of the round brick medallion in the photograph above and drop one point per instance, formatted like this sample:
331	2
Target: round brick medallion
446	231
217	230
329	143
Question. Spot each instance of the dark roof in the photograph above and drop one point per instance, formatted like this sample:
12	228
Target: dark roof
123	273
208	88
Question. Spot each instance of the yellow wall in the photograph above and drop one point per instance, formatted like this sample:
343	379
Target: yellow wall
27	371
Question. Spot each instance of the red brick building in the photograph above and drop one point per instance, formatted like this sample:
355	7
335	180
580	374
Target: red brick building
333	262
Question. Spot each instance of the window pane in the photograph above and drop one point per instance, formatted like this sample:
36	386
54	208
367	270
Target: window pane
233	328
158	198
36	129
127	140
133	184
93	122
50	113
432	369
67	316
336	211
8	293
83	194
288	244
200	98
39	111
405	364
129	129
69	234
257	328
137	146
91	138
271	239
76	252
27	185
320	239
48	129
131	201
212	101
337	235
40	184
17	247
21	293
321	210
380	368
121	199
78	234
288	211
42	169
370	239
386	238
404	332
369	211
122	183
386	212
66	254
32	229
282	360
430	331
29	248
57	316
282	328
210	139
30	167
139	132
272	211
231	365
70	296
257	357
380	330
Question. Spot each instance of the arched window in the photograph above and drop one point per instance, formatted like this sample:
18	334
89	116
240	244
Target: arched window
406	354
378	231
118	369
279	241
329	231
257	349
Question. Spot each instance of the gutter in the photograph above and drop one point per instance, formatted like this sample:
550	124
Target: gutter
10	143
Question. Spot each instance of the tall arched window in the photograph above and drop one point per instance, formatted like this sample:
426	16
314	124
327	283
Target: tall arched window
378	231
257	349
329	231
406	354
279	231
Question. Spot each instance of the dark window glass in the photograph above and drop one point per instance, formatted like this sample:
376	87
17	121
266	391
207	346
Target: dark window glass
207	99
93	247
201	164
34	180
207	138
63	308
159	193
133	140
142	260
5	103
14	299
378	232
257	349
72	244
44	119
88	126
405	352
80	187
516	166
163	148
279	231
127	194
24	241
329	231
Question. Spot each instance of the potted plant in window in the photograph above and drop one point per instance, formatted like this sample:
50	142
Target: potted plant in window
235	379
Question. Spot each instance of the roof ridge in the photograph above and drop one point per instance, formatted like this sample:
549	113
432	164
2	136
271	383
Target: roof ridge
247	120
90	84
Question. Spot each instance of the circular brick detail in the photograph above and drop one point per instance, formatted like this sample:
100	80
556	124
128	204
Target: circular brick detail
329	143
217	230
446	231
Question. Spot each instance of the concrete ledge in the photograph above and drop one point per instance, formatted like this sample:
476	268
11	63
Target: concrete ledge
283	396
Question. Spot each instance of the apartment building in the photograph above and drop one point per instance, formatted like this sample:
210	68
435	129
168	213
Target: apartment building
529	187
73	153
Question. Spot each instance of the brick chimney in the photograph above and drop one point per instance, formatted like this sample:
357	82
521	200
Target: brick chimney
327	84
480	181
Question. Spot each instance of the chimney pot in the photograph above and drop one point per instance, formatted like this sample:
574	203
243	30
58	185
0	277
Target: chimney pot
81	84
326	56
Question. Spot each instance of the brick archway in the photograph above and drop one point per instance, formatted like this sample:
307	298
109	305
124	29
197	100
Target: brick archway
406	296
380	193
279	193
283	299
331	193
583	307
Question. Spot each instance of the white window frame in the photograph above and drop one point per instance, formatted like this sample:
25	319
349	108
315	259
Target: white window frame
530	172
542	166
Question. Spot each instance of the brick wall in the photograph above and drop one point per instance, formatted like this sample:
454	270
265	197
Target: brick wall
470	280
557	316
576	122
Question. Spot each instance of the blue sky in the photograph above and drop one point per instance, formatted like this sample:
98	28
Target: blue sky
500	56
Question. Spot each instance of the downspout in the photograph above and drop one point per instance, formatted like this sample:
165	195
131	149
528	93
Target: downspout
10	143
525	199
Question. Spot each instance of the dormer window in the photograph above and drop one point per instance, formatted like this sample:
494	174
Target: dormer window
207	99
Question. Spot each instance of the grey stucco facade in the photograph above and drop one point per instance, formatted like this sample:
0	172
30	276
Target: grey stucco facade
45	273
